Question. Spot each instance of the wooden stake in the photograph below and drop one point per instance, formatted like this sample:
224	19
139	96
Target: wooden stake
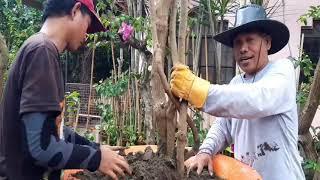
113	61
138	119
77	118
206	53
91	80
129	98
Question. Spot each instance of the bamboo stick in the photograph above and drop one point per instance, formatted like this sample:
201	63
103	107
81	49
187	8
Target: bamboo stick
206	53
193	44
129	99
138	107
91	79
113	61
77	119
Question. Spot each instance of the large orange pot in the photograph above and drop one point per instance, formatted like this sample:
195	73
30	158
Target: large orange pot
229	168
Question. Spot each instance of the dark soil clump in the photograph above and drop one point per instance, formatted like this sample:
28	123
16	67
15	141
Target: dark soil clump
147	166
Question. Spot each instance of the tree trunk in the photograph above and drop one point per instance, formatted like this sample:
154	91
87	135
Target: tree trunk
148	113
165	112
159	17
182	123
159	102
307	114
306	142
306	117
147	101
4	55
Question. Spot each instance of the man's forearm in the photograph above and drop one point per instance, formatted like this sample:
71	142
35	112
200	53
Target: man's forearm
217	138
49	151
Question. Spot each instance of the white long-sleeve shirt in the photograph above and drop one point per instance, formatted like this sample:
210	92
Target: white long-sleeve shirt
260	118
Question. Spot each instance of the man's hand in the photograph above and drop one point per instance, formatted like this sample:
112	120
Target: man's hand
184	84
113	164
198	162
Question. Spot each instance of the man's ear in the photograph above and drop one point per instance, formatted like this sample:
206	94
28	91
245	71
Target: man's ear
268	41
75	8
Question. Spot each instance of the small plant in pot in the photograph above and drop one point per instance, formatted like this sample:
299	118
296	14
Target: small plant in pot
314	13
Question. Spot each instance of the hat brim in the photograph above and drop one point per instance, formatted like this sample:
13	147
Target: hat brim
278	31
96	24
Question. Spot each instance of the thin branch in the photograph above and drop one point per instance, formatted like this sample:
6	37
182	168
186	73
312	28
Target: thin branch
139	45
183	30
195	134
113	61
272	9
173	34
196	55
166	86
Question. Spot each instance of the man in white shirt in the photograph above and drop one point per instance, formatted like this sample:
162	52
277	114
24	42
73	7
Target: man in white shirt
257	111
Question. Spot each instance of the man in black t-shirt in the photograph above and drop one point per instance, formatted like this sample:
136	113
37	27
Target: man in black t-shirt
33	100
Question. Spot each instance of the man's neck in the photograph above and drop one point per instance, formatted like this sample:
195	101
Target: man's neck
54	29
257	71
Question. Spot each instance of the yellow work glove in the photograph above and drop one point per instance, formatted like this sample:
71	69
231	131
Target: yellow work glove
184	84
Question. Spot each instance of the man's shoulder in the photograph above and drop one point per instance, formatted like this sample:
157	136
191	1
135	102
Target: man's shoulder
38	40
282	66
282	63
36	47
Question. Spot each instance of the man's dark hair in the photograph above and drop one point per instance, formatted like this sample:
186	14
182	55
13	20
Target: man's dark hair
59	8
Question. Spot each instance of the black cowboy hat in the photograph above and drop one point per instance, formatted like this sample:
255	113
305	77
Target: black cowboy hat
253	17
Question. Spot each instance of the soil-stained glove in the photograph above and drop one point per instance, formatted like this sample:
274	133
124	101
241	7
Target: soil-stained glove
184	84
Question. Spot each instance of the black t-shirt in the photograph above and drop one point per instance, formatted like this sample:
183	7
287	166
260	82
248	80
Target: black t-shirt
35	84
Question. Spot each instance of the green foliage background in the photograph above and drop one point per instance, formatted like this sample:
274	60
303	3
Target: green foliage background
18	22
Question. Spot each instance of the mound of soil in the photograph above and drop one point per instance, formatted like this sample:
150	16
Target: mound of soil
147	166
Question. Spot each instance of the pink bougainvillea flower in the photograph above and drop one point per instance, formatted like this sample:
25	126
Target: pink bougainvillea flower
126	31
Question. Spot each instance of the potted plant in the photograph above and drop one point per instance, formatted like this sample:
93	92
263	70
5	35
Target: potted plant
314	13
